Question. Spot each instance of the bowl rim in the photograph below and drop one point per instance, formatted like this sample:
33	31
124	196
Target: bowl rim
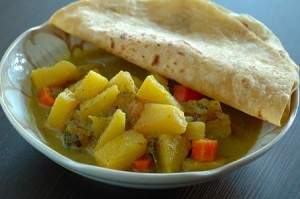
138	180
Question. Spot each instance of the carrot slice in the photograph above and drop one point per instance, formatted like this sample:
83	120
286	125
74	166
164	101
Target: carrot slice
45	97
184	94
142	164
204	149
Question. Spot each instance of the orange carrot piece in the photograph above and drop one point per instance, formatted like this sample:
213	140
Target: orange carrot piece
204	150
184	94
142	164
45	97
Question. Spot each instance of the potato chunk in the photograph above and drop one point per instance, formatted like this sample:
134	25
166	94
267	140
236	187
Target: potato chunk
99	124
124	82
91	85
152	91
120	152
195	130
64	104
162	80
115	127
98	104
171	152
159	119
57	75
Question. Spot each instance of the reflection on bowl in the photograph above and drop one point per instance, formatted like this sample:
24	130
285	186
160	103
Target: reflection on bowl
45	45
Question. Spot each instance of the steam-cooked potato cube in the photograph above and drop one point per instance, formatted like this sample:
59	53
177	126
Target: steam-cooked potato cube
124	82
57	75
152	91
195	130
98	104
115	127
91	85
64	104
171	152
195	165
120	152
156	119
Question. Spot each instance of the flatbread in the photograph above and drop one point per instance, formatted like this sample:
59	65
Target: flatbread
226	56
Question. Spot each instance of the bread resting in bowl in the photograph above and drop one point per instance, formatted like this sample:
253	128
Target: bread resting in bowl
224	55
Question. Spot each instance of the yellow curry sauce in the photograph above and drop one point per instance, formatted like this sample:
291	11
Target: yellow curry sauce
245	129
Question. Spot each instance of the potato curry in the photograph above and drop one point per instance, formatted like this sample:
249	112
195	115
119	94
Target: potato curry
98	109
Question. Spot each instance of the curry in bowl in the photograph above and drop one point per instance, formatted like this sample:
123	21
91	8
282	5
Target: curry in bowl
99	109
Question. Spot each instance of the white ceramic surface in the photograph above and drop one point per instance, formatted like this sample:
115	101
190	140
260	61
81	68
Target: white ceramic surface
45	45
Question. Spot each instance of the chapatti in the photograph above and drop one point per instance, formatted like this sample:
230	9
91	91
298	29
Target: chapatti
227	56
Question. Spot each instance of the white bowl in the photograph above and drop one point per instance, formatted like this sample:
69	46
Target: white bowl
45	45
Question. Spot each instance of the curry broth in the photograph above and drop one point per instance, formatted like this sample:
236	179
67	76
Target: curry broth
245	129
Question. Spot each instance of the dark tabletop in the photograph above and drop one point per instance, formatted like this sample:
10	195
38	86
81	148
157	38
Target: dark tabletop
26	173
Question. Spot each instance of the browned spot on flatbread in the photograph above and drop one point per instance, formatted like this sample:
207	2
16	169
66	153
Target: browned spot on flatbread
181	70
112	43
245	82
180	53
155	60
175	63
132	49
124	36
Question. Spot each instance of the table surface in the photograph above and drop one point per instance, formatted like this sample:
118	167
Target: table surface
26	173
